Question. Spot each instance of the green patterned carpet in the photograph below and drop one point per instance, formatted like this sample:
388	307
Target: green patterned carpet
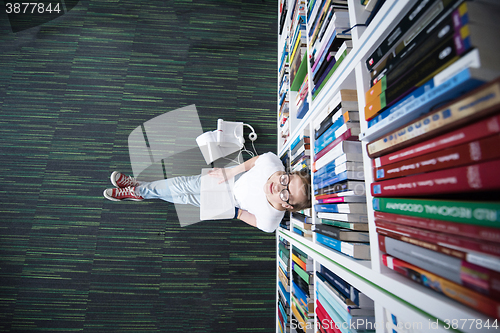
71	91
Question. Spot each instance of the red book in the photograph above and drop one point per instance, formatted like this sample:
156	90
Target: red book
346	136
475	131
464	154
448	288
474	231
326	321
476	177
452	242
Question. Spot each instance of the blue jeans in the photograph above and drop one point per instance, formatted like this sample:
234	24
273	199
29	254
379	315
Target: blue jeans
177	190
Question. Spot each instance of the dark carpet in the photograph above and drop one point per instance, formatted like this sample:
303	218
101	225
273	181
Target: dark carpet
71	91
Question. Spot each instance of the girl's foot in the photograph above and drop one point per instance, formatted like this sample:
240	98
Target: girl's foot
121	180
119	194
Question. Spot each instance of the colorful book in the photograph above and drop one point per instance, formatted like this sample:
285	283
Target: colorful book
350	208
448	288
477	232
343	217
440	88
482	253
330	179
345	199
481	279
478	103
345	225
355	250
350	134
471	178
341	234
470	212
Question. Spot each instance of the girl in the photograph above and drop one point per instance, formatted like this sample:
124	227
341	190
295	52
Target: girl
263	191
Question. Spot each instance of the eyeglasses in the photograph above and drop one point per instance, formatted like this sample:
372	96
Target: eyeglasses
285	193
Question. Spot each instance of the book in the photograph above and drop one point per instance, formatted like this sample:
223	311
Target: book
448	288
357	188
354	208
469	178
474	231
342	286
333	169
344	217
476	151
334	132
334	200
417	238
471	212
327	180
440	88
351	134
478	103
341	297
341	234
345	225
343	147
475	277
355	250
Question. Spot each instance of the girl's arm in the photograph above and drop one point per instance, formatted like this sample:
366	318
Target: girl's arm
229	173
247	217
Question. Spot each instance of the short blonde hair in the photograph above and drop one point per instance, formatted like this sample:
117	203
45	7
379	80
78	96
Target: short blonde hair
305	176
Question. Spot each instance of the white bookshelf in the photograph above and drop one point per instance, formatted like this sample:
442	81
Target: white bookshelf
391	292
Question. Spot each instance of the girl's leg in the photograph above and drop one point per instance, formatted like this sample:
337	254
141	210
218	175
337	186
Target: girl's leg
177	190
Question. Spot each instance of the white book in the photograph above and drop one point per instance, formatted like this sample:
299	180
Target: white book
216	200
353	218
344	147
349	100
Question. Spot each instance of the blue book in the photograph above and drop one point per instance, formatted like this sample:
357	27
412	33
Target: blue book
296	142
299	293
285	293
329	136
336	281
330	180
429	95
283	312
346	316
303	110
355	250
347	208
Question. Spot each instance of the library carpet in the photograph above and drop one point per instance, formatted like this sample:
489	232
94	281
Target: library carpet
71	91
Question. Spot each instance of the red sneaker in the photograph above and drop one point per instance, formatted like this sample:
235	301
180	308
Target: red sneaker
119	194
120	180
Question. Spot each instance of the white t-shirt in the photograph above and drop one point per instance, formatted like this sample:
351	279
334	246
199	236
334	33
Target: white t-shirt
249	192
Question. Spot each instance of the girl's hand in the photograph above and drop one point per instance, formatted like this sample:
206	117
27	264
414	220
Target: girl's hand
222	174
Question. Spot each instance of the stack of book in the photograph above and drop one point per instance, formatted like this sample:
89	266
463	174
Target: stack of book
283	94
339	305
436	196
284	286
437	52
328	43
302	224
301	153
283	11
338	179
299	81
302	291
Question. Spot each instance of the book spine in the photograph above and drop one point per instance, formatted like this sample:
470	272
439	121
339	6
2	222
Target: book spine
326	321
355	208
470	212
455	291
480	102
477	177
333	303
338	283
460	229
345	136
473	152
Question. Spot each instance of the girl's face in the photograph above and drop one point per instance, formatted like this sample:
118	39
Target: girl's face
273	188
